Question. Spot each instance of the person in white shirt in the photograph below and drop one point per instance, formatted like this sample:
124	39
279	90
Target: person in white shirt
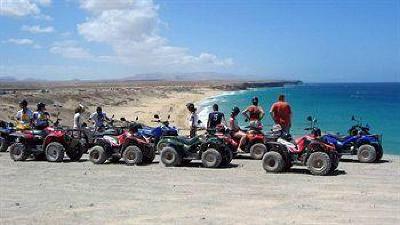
24	116
99	117
193	120
78	117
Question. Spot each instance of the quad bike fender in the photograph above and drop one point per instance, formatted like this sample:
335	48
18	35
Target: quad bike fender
53	138
280	148
367	140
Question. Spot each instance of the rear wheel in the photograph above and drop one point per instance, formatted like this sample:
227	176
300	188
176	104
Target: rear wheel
18	152
132	155
55	152
319	163
97	155
211	158
169	156
273	162
4	145
257	151
366	153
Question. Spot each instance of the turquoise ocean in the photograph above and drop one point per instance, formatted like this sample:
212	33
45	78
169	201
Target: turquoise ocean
377	104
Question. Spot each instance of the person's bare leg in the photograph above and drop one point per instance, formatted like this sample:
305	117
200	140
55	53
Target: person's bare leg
241	143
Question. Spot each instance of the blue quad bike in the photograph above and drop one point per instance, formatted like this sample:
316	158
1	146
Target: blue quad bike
6	128
154	134
359	141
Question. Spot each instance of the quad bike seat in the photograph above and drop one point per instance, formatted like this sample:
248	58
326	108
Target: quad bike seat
187	140
340	138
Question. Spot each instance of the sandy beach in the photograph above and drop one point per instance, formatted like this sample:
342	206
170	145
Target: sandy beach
84	193
34	192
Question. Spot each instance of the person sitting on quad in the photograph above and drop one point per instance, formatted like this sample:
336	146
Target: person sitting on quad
41	117
234	126
215	118
281	113
133	128
24	116
98	118
77	117
254	113
193	120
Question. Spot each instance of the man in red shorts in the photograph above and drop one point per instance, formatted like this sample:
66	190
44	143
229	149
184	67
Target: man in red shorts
281	113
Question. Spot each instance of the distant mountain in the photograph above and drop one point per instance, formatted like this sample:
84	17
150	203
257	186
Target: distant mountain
196	76
7	79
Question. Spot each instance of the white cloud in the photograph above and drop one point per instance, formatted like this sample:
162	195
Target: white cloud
22	41
131	28
22	7
37	29
70	49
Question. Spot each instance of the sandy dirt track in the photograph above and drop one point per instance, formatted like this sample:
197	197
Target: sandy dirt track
84	193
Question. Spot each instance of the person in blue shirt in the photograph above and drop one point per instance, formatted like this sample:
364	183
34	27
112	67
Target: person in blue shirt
41	117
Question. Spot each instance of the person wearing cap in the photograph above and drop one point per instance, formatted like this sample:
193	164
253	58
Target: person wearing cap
281	113
254	113
24	116
193	119
235	128
41	117
215	118
99	117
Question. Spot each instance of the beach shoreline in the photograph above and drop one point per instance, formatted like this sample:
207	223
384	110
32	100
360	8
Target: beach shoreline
39	192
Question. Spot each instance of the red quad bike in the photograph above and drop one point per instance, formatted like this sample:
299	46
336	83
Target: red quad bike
309	150
254	144
50	143
132	148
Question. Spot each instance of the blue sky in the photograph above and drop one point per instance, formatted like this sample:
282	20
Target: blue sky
320	41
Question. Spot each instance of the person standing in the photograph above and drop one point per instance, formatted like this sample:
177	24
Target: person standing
77	117
99	117
215	118
281	113
24	116
254	113
193	119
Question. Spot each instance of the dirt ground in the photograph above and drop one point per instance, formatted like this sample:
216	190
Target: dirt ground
83	193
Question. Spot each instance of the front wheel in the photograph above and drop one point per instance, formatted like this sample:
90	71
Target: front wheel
55	152
211	158
132	155
273	162
18	152
169	156
97	155
366	153
257	151
319	163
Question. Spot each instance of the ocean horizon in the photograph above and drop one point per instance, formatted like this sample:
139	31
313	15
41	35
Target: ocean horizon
333	104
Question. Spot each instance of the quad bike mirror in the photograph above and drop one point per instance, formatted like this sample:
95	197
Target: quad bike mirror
123	119
353	118
156	116
137	118
169	116
309	118
112	117
199	122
